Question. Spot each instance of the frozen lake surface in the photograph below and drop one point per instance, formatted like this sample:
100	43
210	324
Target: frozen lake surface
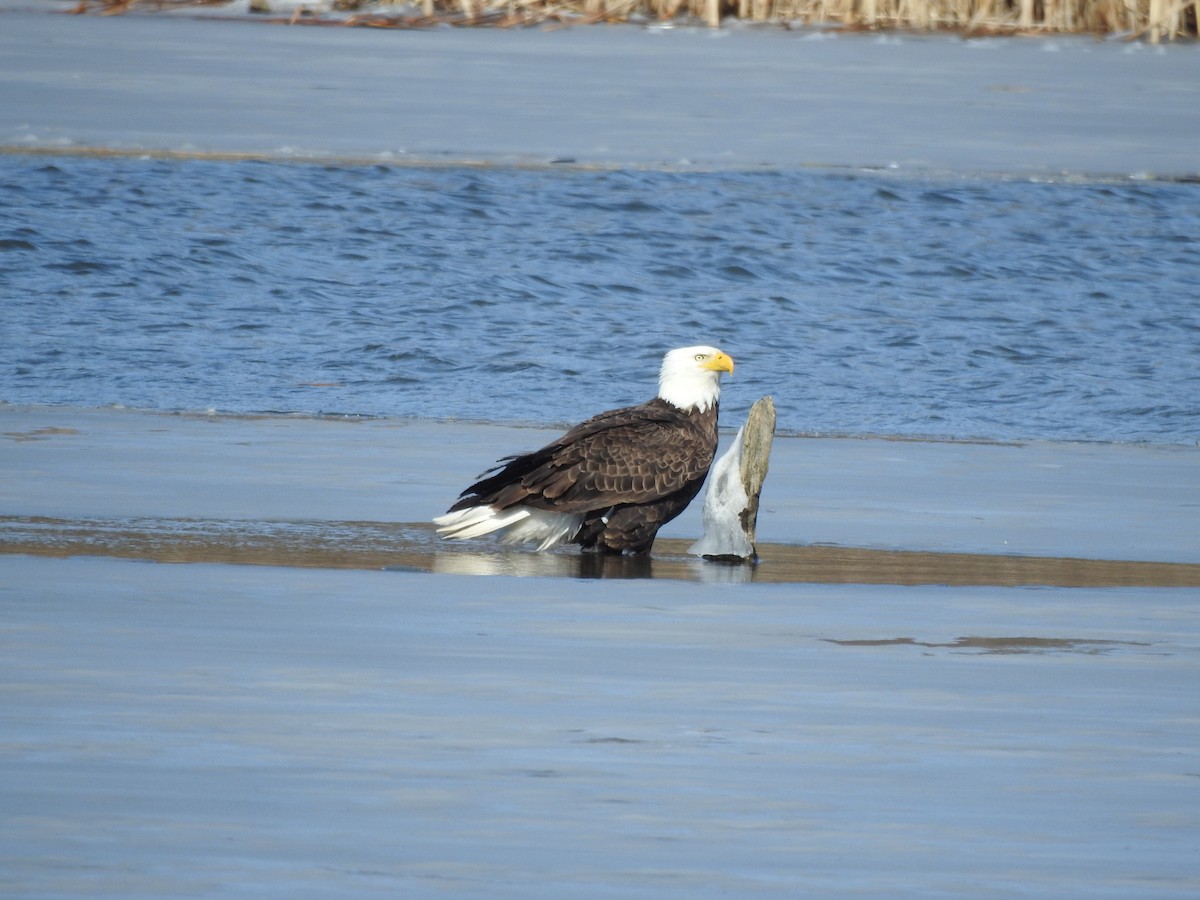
608	96
248	731
191	730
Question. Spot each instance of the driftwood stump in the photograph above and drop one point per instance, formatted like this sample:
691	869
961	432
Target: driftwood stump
757	435
734	487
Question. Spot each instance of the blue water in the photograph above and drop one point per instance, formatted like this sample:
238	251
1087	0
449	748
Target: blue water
864	303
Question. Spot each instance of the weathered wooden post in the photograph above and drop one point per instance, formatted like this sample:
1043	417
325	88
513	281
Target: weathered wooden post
734	487
758	434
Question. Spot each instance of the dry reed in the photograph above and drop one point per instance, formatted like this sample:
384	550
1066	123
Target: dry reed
1153	20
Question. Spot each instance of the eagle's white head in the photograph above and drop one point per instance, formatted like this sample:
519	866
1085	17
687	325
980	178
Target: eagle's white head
691	377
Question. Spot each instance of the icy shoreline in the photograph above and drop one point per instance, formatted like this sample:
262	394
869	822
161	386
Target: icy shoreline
612	96
1096	501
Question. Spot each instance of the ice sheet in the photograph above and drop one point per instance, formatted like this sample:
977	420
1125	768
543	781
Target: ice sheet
187	731
601	95
1095	501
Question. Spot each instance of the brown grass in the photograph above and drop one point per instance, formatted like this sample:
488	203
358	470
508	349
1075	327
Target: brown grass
1153	20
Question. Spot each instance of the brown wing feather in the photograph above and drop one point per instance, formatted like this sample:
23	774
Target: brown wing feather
633	455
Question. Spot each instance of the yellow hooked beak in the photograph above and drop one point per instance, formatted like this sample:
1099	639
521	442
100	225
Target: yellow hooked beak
720	362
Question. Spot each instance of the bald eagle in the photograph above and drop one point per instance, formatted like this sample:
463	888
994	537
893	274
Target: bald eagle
611	482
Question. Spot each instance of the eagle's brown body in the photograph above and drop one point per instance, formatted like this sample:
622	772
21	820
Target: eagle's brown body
626	473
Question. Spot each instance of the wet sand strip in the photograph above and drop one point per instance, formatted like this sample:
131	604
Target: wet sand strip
414	547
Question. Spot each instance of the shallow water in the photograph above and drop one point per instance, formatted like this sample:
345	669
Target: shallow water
864	303
413	547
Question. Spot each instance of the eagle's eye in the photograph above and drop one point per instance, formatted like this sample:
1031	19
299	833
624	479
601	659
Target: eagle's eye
700	357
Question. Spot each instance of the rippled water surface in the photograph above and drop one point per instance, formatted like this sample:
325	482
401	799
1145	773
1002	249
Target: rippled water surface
864	303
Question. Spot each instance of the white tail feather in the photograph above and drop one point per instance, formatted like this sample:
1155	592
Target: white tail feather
476	521
548	528
524	525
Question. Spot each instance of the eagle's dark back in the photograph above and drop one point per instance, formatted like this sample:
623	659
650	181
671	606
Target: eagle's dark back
626	472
